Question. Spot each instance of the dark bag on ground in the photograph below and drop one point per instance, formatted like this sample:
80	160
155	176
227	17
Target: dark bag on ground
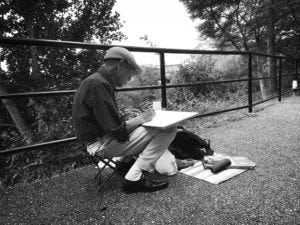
187	145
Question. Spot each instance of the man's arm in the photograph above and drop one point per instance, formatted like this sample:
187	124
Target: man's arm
134	123
101	103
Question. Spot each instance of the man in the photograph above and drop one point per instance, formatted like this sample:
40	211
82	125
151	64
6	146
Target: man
99	124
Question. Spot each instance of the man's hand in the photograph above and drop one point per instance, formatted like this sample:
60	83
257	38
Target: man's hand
144	117
147	116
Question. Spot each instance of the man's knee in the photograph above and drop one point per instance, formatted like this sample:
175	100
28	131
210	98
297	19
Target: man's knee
170	131
148	133
145	131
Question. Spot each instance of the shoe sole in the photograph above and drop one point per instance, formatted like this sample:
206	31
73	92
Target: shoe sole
136	190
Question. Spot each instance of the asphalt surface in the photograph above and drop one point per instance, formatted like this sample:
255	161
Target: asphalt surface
267	195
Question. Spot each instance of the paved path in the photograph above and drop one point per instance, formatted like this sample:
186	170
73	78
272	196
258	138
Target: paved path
268	195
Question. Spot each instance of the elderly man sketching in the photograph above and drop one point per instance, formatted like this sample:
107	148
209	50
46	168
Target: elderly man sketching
99	124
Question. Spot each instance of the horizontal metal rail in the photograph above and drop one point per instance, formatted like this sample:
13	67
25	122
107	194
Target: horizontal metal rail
273	56
36	94
72	44
36	146
285	93
287	75
205	83
264	78
139	88
222	111
57	93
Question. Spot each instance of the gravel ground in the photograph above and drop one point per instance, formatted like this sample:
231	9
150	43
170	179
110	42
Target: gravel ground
267	195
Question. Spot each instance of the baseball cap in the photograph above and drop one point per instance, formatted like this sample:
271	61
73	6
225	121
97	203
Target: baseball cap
122	53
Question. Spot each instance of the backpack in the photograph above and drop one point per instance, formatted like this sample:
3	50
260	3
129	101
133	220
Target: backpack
187	145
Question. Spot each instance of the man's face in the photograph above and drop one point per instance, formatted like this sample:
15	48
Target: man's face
125	72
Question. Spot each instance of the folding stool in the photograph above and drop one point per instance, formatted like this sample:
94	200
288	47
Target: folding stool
107	162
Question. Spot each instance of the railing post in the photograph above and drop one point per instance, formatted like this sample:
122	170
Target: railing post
163	80
296	91
296	71
279	80
250	83
296	65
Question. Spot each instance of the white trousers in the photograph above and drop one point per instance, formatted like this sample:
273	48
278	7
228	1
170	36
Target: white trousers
149	143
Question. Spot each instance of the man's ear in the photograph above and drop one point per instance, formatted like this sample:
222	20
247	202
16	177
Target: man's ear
123	63
120	64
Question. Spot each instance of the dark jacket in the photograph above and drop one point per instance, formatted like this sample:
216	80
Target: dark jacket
95	112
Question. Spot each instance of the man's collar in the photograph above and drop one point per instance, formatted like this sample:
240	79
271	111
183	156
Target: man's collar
107	76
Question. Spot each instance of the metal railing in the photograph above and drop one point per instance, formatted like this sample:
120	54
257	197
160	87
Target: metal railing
163	85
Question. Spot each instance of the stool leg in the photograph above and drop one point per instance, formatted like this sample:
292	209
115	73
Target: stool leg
106	164
107	179
100	170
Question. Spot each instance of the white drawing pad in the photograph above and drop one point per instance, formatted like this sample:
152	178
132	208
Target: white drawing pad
164	119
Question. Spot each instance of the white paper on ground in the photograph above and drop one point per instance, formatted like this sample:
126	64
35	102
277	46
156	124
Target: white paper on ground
207	175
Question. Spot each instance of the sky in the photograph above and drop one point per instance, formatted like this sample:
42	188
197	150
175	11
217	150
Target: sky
166	23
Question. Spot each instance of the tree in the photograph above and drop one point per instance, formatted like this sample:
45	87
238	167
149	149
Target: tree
17	117
196	69
270	33
41	69
251	25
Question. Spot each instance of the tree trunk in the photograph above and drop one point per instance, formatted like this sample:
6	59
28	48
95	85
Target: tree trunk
17	117
33	52
262	82
271	45
38	106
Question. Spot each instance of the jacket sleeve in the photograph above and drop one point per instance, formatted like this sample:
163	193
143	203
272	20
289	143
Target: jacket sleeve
103	107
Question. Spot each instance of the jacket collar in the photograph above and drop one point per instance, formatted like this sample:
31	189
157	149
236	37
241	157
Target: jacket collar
107	76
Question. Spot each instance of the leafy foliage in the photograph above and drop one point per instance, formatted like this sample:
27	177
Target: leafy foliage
203	69
141	100
242	24
56	20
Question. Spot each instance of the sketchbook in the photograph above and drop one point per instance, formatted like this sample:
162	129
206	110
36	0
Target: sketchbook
164	119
